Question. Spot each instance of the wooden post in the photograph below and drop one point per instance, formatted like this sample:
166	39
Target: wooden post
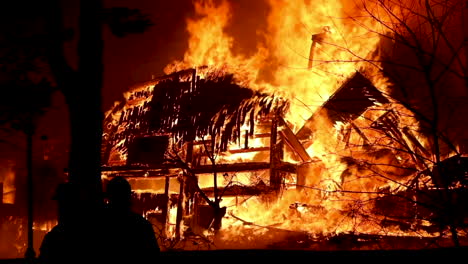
187	207
279	157
189	156
274	175
196	216
180	208
246	142
194	81
190	161
166	206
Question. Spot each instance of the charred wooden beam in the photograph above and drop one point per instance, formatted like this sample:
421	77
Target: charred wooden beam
286	167
166	206
163	168
347	103
246	166
415	142
262	135
238	190
139	171
246	140
189	156
247	150
275	180
194	81
180	208
292	141
244	150
360	133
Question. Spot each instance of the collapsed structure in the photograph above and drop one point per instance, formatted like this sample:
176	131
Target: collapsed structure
194	142
330	153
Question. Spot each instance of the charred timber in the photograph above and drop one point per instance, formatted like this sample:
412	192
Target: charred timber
247	166
293	142
347	103
237	190
235	167
138	171
163	169
247	150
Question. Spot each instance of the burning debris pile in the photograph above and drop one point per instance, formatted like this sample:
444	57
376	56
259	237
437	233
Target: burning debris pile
247	153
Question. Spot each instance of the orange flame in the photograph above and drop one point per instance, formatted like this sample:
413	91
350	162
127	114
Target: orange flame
305	53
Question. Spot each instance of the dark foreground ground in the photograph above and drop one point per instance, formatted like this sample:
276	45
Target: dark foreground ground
230	256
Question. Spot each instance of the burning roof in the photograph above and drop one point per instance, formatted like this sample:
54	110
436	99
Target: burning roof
347	103
186	106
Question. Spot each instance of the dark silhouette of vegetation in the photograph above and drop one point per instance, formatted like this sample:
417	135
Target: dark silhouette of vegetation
33	62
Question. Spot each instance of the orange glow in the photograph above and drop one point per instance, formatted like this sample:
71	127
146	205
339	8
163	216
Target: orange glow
7	177
285	53
353	160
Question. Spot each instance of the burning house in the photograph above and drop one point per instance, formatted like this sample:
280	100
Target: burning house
338	141
248	153
194	142
176	133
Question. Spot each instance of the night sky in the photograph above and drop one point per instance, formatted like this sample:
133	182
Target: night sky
138	57
129	60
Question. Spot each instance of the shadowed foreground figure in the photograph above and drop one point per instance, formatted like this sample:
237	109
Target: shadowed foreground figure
130	237
58	244
77	237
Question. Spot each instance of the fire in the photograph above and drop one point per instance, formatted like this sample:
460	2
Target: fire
341	44
305	54
210	46
279	64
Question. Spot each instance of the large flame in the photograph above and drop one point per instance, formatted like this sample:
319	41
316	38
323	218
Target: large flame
305	51
280	62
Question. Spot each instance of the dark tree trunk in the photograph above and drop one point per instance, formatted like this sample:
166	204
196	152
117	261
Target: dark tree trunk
85	103
29	131
218	214
82	91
